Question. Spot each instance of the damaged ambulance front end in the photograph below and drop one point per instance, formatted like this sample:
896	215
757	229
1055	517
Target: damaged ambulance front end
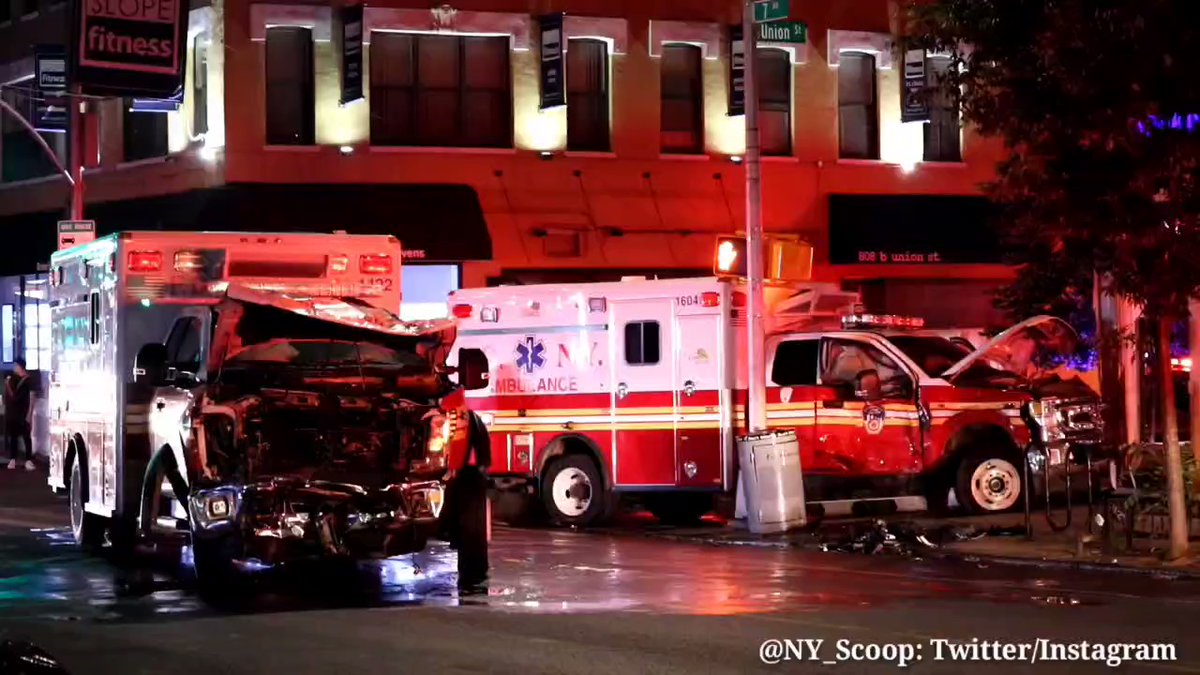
326	429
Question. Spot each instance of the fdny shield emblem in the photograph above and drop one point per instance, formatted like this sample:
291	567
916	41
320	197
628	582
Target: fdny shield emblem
873	419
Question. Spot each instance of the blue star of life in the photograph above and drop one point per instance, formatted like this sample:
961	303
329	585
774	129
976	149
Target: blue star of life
531	354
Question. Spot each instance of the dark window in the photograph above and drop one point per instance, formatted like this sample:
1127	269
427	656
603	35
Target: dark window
943	138
587	95
682	99
200	85
858	112
291	111
145	134
28	6
795	363
641	343
773	76
440	90
5	11
95	319
183	345
23	157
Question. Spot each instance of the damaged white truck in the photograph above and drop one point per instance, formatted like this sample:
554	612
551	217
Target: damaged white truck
256	397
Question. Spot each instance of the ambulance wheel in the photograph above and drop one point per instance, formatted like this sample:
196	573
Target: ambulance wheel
87	528
573	492
680	508
989	480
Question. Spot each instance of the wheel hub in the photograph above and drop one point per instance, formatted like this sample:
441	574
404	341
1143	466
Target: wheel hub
572	491
995	485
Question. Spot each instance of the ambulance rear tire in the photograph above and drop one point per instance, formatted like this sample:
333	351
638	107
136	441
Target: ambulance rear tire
574	493
87	528
989	480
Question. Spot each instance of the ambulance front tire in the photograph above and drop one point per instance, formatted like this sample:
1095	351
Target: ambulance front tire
574	494
989	480
87	528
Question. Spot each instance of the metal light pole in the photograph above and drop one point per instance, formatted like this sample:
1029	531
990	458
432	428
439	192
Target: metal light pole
77	128
755	329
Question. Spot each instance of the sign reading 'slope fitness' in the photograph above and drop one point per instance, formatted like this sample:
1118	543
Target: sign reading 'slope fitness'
130	46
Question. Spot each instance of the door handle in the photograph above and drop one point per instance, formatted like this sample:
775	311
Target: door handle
160	405
833	404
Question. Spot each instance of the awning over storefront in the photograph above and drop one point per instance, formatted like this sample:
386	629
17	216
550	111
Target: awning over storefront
435	223
912	230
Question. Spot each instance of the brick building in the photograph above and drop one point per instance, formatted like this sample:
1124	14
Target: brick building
450	151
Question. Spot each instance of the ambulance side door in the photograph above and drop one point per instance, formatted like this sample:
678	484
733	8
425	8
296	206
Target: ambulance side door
700	364
644	392
872	433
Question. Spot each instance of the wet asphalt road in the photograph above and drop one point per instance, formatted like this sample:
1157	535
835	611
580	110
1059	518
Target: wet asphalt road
565	602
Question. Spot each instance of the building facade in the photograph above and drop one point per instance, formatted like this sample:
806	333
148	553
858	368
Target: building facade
450	150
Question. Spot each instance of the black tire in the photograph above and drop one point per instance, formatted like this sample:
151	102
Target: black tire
87	528
990	480
681	508
217	580
471	536
584	500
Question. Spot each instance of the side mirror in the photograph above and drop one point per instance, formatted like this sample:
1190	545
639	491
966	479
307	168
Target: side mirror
473	369
150	365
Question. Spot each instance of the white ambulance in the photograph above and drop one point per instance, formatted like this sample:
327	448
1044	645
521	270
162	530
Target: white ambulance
621	387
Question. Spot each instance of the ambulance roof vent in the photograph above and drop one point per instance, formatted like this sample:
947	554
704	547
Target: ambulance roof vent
633	278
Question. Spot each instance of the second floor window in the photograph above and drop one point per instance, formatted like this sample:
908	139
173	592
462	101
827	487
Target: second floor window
144	134
858	108
291	107
440	90
774	79
682	99
587	96
200	85
943	135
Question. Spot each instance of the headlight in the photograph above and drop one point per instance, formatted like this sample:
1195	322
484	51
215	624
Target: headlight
1045	417
439	433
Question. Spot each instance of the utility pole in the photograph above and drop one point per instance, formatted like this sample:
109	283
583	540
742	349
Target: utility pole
77	128
755	328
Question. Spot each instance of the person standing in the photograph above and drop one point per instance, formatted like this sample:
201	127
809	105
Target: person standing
18	414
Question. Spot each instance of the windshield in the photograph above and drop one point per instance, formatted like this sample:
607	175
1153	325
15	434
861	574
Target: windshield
932	354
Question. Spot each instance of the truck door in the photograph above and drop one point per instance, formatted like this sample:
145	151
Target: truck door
700	367
793	393
643	392
870	425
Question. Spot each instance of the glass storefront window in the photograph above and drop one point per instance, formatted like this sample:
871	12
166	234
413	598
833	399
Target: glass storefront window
8	333
424	289
37	336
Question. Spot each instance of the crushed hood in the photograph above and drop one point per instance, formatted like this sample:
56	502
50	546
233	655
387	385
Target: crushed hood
434	337
1023	348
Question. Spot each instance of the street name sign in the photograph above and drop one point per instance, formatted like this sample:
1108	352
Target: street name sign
792	32
771	10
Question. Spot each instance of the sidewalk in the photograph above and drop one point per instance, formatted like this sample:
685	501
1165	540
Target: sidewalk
27	502
998	539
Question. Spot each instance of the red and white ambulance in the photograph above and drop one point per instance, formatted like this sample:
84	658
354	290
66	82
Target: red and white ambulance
639	386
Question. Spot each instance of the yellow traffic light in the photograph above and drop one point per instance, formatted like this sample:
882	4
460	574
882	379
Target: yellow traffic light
731	257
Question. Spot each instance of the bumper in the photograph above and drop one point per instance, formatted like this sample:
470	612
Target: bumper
281	520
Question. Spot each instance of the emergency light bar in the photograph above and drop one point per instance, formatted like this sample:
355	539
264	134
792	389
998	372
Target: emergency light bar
881	321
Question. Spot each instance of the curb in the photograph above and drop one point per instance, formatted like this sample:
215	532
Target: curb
947	555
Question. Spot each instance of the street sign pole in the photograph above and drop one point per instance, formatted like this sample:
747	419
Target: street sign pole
755	330
77	128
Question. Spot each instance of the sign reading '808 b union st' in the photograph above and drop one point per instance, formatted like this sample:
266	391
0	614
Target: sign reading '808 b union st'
142	36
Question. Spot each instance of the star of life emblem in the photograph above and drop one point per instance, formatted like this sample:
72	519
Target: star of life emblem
531	354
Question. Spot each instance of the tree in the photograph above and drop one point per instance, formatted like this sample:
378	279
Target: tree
1097	102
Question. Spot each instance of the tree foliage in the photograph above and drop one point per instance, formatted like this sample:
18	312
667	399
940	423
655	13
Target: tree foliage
1078	89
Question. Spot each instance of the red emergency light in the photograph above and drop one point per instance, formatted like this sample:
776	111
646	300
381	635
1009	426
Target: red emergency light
738	299
377	263
339	263
461	311
881	321
145	261
710	299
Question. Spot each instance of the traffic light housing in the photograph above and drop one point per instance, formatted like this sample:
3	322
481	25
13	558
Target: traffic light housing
786	258
730	258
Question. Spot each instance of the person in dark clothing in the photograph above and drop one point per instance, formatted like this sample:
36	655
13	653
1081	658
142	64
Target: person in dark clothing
18	414
464	520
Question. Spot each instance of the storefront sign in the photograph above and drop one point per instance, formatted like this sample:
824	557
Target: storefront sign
911	230
553	83
915	97
737	72
351	53
130	47
50	70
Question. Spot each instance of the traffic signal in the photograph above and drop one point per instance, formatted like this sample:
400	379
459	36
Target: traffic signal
730	259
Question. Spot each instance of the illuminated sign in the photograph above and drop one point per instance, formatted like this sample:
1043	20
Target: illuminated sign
130	47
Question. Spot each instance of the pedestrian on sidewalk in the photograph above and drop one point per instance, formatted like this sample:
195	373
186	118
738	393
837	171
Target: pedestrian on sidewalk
18	414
